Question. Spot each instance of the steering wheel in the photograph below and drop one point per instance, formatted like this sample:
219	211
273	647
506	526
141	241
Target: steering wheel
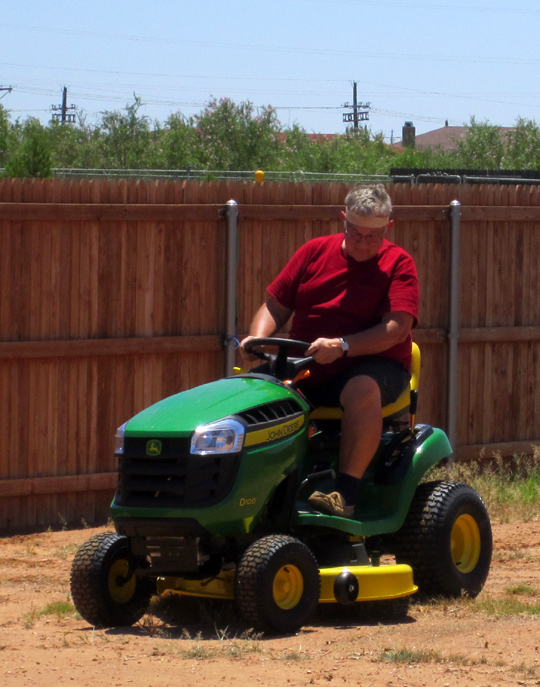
281	365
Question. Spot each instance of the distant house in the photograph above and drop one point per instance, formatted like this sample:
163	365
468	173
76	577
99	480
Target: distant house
445	138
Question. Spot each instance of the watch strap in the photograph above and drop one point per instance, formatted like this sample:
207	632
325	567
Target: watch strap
344	346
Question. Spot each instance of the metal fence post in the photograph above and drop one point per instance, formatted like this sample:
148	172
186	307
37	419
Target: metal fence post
231	213
453	324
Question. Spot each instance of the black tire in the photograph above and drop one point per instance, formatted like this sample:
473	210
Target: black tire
277	584
446	539
101	592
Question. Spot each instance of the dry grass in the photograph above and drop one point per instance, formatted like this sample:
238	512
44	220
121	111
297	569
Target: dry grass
509	488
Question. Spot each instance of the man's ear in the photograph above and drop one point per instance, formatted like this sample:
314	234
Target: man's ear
389	226
343	218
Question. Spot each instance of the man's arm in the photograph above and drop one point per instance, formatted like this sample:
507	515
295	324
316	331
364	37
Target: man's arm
269	319
393	329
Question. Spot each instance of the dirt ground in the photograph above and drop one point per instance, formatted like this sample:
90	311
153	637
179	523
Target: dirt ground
445	643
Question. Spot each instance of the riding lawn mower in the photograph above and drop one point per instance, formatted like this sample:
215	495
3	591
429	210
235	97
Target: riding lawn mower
212	502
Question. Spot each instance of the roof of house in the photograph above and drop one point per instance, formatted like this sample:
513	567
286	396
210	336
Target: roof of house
445	138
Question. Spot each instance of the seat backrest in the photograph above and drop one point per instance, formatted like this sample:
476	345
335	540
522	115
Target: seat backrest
399	407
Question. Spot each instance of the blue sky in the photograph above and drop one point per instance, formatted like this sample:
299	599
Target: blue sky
415	60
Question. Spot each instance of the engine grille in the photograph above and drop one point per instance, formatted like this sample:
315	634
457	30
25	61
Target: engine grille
271	412
174	478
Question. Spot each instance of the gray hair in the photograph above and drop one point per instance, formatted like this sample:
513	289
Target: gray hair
372	200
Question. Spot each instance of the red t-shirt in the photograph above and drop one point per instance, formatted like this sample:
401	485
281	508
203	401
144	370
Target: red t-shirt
333	295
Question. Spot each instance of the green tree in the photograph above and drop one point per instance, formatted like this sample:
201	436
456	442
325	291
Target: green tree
352	153
33	156
75	146
522	149
482	147
235	137
296	150
362	152
125	138
4	135
179	140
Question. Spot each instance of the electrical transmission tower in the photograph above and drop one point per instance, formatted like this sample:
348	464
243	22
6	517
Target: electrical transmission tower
360	111
60	112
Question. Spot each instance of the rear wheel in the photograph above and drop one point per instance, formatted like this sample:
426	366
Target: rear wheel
277	584
105	590
446	539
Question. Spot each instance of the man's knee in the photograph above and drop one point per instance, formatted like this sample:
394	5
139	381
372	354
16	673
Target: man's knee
361	392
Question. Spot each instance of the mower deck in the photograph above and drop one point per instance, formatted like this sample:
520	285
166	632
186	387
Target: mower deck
374	583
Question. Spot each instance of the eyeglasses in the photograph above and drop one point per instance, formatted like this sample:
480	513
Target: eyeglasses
358	237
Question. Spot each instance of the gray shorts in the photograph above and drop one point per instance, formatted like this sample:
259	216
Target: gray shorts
390	375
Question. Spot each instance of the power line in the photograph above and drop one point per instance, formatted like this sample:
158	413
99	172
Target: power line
415	5
289	49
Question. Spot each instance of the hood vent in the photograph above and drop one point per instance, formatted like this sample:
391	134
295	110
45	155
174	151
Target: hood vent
271	412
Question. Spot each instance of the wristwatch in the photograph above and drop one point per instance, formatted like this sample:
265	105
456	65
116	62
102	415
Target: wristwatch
344	347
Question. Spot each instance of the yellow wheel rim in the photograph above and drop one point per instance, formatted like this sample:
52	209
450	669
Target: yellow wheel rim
288	587
120	590
465	543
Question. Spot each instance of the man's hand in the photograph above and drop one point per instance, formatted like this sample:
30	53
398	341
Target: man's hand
269	319
325	351
247	357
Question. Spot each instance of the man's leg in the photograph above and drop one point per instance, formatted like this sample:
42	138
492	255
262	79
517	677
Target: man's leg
361	426
361	429
373	383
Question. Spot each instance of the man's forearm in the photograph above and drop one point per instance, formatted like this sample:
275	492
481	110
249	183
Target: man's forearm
379	338
394	329
263	324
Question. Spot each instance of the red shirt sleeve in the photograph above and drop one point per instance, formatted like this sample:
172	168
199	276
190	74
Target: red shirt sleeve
285	286
403	294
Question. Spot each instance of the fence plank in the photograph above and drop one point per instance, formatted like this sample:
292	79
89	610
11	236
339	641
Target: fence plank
58	485
114	212
127	346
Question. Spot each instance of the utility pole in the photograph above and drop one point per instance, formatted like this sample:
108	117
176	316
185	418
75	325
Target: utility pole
7	90
60	112
360	111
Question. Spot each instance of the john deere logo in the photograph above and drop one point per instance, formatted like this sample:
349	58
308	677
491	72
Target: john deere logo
153	447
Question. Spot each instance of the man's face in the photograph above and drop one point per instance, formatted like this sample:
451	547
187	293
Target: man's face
363	241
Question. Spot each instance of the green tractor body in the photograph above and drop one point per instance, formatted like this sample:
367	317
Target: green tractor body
227	494
212	501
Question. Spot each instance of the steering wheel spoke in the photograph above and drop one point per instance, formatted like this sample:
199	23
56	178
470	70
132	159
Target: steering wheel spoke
281	365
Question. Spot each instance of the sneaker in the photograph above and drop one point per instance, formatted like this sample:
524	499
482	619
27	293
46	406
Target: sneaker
332	504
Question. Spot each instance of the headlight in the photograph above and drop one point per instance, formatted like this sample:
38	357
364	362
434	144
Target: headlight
224	436
119	440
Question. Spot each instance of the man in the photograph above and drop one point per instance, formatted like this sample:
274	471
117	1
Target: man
355	299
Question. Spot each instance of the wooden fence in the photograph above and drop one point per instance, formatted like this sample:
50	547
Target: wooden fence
112	296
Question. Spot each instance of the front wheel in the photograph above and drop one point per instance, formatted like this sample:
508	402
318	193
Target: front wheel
105	590
277	584
446	539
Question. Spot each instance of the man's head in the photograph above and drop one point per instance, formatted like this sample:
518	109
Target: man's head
367	219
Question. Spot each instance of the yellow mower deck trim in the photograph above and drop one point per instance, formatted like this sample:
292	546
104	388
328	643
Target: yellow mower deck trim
221	587
375	583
